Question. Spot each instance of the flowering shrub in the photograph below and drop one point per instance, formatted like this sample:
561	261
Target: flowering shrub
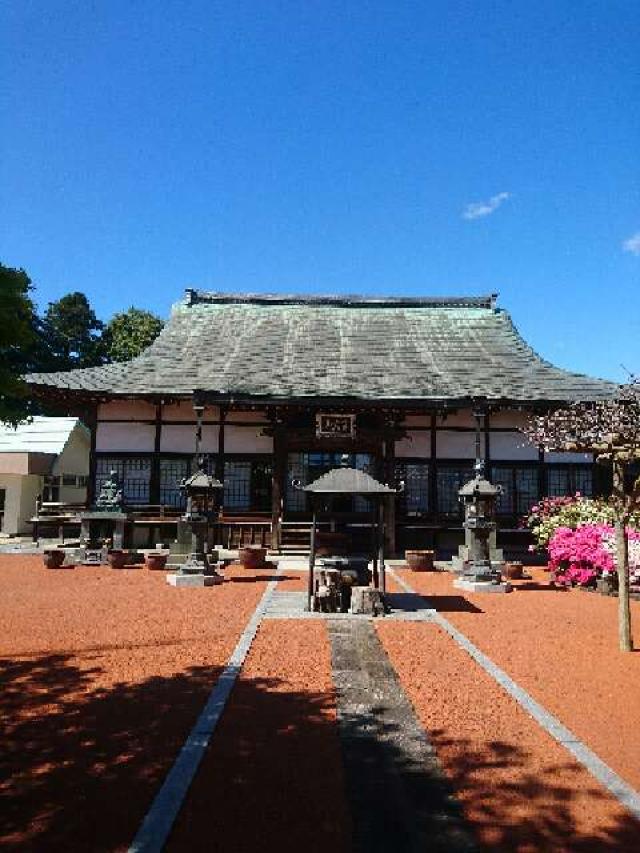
580	556
551	513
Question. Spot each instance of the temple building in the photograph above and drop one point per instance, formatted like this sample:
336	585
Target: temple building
411	389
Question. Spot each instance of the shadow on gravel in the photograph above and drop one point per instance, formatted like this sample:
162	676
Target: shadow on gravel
535	586
79	765
271	779
532	812
260	578
453	604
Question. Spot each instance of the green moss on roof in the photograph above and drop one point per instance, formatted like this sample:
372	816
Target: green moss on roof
336	347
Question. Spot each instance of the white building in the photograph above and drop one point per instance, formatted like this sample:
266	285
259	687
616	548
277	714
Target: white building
47	457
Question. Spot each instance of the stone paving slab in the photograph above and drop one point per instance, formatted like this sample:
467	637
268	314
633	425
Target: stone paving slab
399	797
404	607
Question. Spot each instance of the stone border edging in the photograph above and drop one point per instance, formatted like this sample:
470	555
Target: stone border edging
158	822
623	792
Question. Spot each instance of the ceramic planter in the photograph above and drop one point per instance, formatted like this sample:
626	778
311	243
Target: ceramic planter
419	561
53	558
512	570
252	557
155	560
117	558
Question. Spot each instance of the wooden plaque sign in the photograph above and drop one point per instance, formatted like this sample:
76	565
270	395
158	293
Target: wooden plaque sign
335	425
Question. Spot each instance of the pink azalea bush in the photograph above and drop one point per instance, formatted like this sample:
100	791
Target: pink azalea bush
579	556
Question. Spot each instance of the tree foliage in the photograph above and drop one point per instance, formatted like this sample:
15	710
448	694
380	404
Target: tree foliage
610	429
18	342
71	333
129	333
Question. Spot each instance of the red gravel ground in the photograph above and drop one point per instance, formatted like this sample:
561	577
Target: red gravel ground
103	673
562	647
272	778
519	789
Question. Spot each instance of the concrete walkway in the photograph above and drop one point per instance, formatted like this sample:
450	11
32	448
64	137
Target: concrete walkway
398	796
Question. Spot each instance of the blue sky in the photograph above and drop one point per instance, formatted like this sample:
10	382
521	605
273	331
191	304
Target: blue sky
332	147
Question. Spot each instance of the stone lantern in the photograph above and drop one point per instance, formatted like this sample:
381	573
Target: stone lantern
202	492
199	569
478	570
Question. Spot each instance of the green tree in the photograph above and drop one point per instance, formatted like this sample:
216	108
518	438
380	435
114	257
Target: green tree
127	334
18	342
71	332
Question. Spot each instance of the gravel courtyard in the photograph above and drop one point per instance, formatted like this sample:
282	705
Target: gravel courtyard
104	673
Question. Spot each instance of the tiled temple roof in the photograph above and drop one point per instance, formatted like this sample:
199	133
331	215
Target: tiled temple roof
294	348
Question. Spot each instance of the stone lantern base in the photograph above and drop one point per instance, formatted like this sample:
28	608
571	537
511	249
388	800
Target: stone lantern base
470	585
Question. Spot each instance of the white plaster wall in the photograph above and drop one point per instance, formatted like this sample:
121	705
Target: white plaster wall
239	439
417	443
417	420
183	411
461	418
12	484
72	494
455	445
125	437
176	438
253	417
126	410
511	445
31	488
568	458
508	419
74	459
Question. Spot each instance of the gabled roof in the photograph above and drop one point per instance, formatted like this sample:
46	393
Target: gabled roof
40	435
289	348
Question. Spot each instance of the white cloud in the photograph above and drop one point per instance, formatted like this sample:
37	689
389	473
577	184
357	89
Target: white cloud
632	244
478	209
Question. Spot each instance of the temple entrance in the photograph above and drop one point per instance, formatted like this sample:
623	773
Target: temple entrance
307	466
351	513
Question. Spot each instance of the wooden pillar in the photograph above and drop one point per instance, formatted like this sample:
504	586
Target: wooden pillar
433	472
219	467
543	484
389	451
154	482
278	485
91	420
383	522
312	552
487	446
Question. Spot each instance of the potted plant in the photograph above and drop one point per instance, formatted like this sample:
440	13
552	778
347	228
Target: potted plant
53	558
419	560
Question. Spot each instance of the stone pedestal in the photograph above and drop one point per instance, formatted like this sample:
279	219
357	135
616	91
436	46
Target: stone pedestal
366	601
179	580
471	585
111	526
200	569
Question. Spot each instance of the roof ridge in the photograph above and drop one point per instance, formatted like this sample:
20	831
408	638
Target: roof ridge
204	297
